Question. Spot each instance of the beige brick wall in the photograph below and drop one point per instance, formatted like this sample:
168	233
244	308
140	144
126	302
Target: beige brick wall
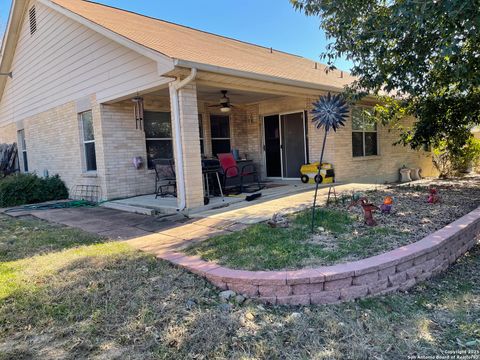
8	134
123	142
54	144
379	169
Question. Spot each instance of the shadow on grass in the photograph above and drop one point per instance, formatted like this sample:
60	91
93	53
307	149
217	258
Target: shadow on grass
26	237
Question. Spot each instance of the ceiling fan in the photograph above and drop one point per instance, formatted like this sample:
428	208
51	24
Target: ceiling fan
224	103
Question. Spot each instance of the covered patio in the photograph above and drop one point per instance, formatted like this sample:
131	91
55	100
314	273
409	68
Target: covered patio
204	114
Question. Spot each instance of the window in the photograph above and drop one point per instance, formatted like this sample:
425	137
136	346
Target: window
200	131
158	134
23	149
220	129
86	120
364	134
32	14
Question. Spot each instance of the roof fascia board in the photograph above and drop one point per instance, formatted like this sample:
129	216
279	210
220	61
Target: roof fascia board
164	63
267	78
13	9
10	39
255	76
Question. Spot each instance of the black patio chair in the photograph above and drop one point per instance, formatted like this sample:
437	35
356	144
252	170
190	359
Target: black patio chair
165	177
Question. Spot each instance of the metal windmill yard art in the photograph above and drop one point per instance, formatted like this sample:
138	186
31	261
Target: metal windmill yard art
329	112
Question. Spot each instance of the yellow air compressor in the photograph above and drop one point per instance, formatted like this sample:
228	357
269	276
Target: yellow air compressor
309	173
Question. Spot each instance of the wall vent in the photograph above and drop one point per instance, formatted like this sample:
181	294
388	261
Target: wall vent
33	20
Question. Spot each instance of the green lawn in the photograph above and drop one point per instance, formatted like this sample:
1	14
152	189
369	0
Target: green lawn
259	247
69	295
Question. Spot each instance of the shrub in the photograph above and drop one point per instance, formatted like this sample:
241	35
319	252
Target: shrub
455	163
441	161
467	157
20	189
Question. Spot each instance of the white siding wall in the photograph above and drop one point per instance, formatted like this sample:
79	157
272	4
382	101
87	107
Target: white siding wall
65	61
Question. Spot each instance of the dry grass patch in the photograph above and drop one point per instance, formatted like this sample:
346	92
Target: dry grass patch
107	301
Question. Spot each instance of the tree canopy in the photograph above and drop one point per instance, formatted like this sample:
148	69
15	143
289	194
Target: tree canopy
426	52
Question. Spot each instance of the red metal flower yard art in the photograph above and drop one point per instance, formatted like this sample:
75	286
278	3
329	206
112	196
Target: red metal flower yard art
329	112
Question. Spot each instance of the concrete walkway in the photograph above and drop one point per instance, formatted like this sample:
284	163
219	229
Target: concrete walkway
160	236
263	210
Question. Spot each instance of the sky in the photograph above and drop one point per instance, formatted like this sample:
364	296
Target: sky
271	23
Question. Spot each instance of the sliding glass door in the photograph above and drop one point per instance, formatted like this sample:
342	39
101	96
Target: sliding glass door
284	144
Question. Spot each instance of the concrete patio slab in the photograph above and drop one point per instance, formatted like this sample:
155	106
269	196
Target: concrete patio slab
159	235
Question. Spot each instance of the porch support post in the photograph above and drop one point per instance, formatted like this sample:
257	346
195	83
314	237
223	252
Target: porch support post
190	144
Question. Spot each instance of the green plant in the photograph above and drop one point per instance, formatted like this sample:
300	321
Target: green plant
454	162
441	161
22	189
426	52
467	157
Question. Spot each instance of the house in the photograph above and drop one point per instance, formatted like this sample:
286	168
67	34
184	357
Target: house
77	66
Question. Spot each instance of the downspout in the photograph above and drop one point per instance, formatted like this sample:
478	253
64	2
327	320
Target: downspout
181	191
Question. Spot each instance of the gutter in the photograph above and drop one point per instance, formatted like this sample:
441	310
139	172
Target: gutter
181	191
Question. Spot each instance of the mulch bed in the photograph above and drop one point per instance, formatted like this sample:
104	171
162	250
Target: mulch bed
412	217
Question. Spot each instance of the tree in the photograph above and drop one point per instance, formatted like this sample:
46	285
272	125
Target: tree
426	52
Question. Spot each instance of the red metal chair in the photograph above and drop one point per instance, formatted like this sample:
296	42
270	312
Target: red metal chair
233	176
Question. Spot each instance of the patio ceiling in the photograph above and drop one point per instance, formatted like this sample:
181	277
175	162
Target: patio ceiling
212	94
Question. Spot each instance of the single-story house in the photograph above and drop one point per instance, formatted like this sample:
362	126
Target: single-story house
78	68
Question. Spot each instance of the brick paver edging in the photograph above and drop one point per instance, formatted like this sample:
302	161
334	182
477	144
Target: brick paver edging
395	270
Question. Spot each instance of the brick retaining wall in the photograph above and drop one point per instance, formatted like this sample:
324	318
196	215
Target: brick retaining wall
396	270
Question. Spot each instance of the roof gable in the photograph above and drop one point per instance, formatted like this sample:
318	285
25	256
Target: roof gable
168	44
199	47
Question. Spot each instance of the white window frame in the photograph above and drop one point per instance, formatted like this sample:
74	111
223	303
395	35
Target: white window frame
84	142
201	135
23	150
220	138
147	139
363	131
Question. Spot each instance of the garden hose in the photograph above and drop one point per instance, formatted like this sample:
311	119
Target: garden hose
56	205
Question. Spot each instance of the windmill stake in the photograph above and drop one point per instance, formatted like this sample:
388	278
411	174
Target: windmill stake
317	182
328	112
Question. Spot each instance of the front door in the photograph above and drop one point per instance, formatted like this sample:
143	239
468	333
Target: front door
284	144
